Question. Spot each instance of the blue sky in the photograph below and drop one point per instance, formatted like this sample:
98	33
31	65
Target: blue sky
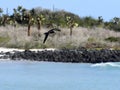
105	8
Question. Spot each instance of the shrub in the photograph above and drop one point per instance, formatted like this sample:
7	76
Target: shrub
113	39
4	40
91	39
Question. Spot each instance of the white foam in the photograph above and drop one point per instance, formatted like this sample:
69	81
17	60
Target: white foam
106	64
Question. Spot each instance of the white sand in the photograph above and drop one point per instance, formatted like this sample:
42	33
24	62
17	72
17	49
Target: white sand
2	49
12	50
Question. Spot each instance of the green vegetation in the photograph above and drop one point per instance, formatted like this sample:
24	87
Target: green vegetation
113	39
4	40
25	29
82	37
51	19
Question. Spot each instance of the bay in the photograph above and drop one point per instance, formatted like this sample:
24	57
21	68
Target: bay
33	75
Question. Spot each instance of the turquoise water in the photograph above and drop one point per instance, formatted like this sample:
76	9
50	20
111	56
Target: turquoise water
28	75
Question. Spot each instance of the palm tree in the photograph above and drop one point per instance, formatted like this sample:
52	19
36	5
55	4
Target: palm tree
1	11
30	22
100	19
32	11
4	20
39	22
71	23
19	9
116	20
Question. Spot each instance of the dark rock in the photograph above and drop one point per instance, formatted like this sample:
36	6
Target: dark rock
75	56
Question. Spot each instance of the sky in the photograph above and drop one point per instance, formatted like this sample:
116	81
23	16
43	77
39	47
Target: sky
108	9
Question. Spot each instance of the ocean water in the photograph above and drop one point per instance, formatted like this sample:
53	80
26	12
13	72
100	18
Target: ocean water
31	75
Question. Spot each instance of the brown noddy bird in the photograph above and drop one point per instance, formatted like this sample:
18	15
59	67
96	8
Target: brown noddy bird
51	31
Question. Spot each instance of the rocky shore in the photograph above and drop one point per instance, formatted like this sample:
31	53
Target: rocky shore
75	56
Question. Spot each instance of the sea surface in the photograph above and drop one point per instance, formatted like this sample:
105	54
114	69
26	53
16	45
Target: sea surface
32	75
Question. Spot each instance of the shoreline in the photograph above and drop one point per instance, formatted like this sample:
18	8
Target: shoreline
81	55
3	49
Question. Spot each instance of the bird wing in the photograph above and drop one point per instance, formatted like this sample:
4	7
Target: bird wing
51	31
56	29
46	36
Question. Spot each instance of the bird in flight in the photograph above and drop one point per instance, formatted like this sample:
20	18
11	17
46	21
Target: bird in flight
51	31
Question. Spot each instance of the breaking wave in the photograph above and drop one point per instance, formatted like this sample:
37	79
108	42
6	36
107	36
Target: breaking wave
108	64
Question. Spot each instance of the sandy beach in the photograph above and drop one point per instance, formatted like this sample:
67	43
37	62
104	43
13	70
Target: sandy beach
4	50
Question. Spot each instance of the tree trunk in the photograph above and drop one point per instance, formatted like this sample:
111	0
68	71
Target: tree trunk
29	31
39	28
70	31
